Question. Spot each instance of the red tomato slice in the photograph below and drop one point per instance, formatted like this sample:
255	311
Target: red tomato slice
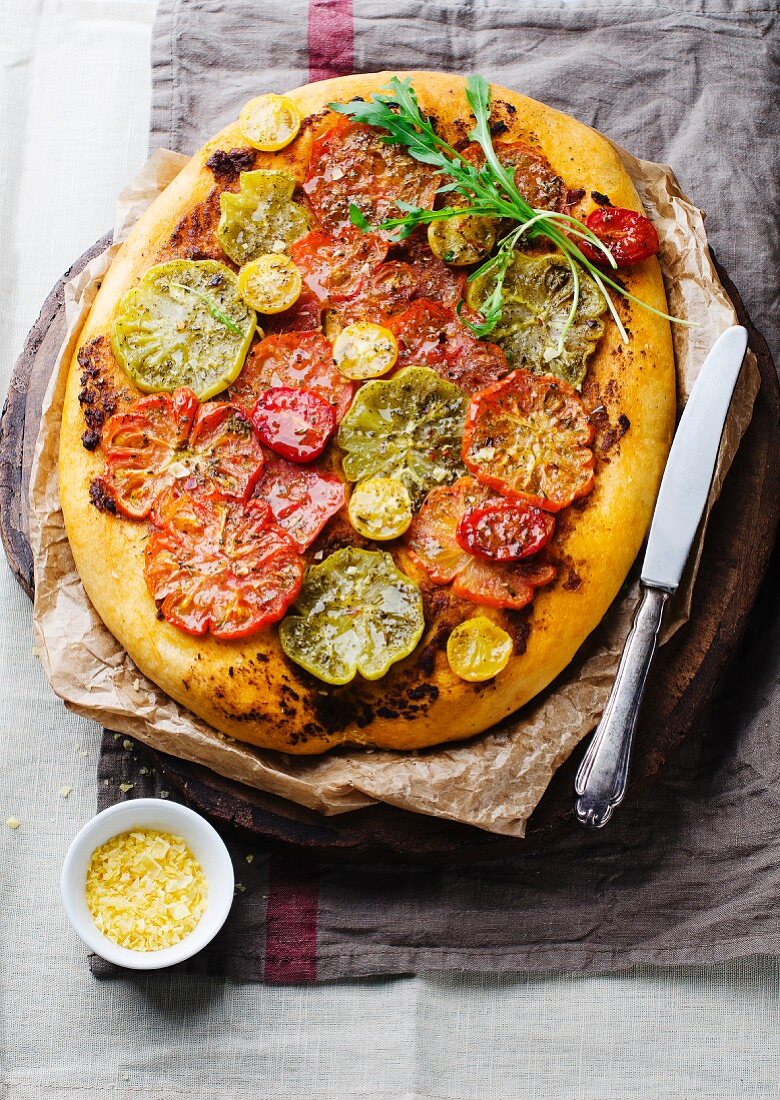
435	279
299	360
431	335
494	584
629	236
534	176
433	543
169	437
296	424
301	498
505	530
388	290
225	450
333	270
351	164
431	537
304	316
529	436
219	565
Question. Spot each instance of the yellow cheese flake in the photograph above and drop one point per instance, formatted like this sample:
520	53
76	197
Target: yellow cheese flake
145	890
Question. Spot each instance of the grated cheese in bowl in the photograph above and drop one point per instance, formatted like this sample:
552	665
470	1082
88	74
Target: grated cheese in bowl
145	890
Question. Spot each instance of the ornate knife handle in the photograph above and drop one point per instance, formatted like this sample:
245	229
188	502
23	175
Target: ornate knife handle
602	775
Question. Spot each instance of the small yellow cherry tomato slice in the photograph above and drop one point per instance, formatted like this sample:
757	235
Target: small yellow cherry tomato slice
365	350
380	508
270	284
270	122
478	649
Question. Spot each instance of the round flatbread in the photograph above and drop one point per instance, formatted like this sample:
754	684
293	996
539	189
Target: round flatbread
247	687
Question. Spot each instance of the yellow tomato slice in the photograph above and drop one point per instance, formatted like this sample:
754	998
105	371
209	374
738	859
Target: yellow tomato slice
478	649
270	284
269	122
380	508
365	350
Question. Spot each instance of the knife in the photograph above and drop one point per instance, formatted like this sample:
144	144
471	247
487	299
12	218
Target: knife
601	778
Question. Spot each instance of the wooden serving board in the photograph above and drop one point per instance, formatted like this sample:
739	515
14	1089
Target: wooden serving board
736	554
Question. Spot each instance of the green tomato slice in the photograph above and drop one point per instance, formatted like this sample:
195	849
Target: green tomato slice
260	217
184	325
356	612
408	427
538	293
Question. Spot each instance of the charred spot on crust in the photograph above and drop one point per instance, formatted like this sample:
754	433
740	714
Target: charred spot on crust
573	196
613	434
573	580
337	534
195	237
602	200
498	127
100	496
97	396
427	658
228	166
518	626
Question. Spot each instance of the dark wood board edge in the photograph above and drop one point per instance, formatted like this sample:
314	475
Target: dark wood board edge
19	427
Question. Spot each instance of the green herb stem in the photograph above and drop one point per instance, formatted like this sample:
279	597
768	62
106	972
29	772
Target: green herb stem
211	306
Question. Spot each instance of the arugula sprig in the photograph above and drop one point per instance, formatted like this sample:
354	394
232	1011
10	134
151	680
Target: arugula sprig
489	190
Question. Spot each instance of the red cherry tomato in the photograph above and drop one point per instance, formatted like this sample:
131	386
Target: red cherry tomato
296	424
629	236
505	530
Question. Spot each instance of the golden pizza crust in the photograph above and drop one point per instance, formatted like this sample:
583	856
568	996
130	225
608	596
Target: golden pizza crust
248	689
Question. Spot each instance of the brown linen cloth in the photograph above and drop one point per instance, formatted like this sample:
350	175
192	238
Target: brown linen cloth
687	871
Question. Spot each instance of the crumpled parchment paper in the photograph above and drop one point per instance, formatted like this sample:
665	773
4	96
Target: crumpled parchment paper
493	781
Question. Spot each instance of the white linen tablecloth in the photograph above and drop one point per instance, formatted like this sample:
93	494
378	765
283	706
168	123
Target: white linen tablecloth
74	100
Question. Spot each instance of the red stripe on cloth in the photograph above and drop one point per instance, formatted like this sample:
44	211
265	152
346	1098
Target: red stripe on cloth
291	921
331	39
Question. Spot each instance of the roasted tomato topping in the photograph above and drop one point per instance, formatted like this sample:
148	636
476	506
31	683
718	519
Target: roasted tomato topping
406	427
629	236
334	269
538	296
165	438
301	498
433	543
357	613
433	336
184	324
297	360
534	177
304	316
529	436
478	649
434	278
219	565
351	164
295	424
505	530
388	290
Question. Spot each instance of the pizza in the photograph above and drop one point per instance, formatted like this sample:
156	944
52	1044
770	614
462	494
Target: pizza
365	426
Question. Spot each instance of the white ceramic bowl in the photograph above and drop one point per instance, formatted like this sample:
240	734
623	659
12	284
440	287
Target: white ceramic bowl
203	841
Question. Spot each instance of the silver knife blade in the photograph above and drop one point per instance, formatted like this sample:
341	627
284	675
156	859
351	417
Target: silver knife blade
689	468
